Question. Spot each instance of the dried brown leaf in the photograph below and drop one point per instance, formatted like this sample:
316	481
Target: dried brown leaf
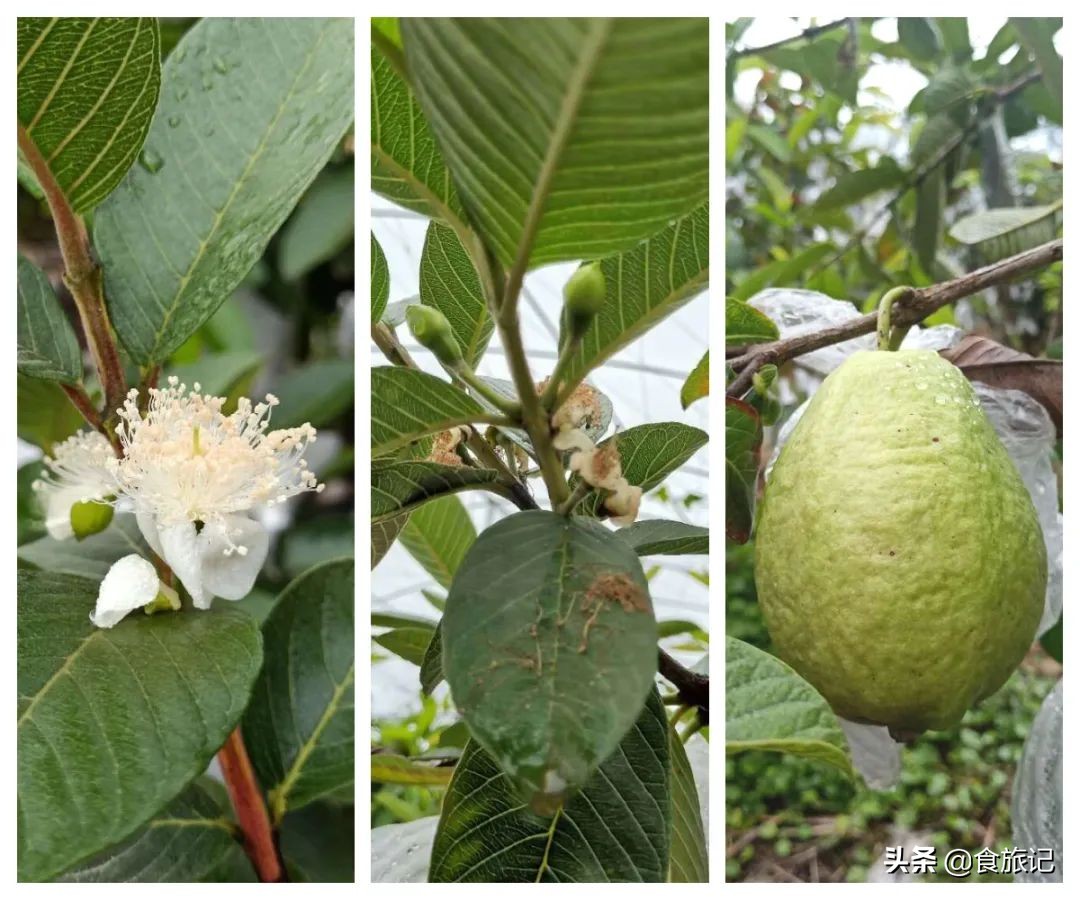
986	361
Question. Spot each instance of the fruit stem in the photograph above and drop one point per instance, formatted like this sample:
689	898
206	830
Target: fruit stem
889	338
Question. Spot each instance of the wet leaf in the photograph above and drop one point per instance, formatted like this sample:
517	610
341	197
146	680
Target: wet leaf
87	93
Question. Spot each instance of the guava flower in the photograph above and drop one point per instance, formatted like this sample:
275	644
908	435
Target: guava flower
78	472
192	475
444	447
601	468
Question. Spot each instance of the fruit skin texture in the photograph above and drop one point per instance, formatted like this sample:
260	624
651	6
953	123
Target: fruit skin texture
899	560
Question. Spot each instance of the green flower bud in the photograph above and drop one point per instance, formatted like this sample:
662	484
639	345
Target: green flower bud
89	518
584	295
432	330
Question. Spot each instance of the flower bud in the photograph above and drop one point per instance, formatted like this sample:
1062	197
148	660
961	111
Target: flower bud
432	330
89	518
584	295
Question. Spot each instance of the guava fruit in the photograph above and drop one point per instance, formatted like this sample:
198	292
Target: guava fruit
899	560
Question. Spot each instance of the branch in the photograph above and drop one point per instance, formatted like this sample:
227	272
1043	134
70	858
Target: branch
909	311
693	687
251	815
82	275
806	34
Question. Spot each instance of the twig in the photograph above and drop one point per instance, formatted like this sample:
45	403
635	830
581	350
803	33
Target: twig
921	303
693	687
82	275
250	809
806	34
81	401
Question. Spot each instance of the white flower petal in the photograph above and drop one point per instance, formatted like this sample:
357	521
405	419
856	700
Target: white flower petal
232	574
180	549
130	583
58	511
147	522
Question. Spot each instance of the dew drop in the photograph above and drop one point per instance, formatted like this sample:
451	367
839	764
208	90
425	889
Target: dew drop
941	399
921	385
220	65
151	161
174	121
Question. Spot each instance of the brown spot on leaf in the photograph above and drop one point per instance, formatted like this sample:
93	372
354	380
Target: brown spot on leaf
607	590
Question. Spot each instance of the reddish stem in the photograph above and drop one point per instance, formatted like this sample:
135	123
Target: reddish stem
82	277
250	809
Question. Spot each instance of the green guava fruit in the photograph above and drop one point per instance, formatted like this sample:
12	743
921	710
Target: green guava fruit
899	560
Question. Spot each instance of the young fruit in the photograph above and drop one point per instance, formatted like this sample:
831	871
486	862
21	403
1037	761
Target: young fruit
432	330
899	560
89	518
583	296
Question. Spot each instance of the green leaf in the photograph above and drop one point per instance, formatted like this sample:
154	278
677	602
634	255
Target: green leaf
318	392
769	707
48	347
228	374
919	36
645	285
399	486
113	723
380	281
939	131
744	324
383	535
649	453
771	141
91	557
44	415
299	725
929	210
660	537
567	138
87	93
742	430
185	841
448	281
409	643
997	233
407	404
394	620
437	536
617	829
541	605
696	385
322	225
317	843
317	539
1037	35
388	768
31	516
431	666
251	110
855	186
689	845
406	165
